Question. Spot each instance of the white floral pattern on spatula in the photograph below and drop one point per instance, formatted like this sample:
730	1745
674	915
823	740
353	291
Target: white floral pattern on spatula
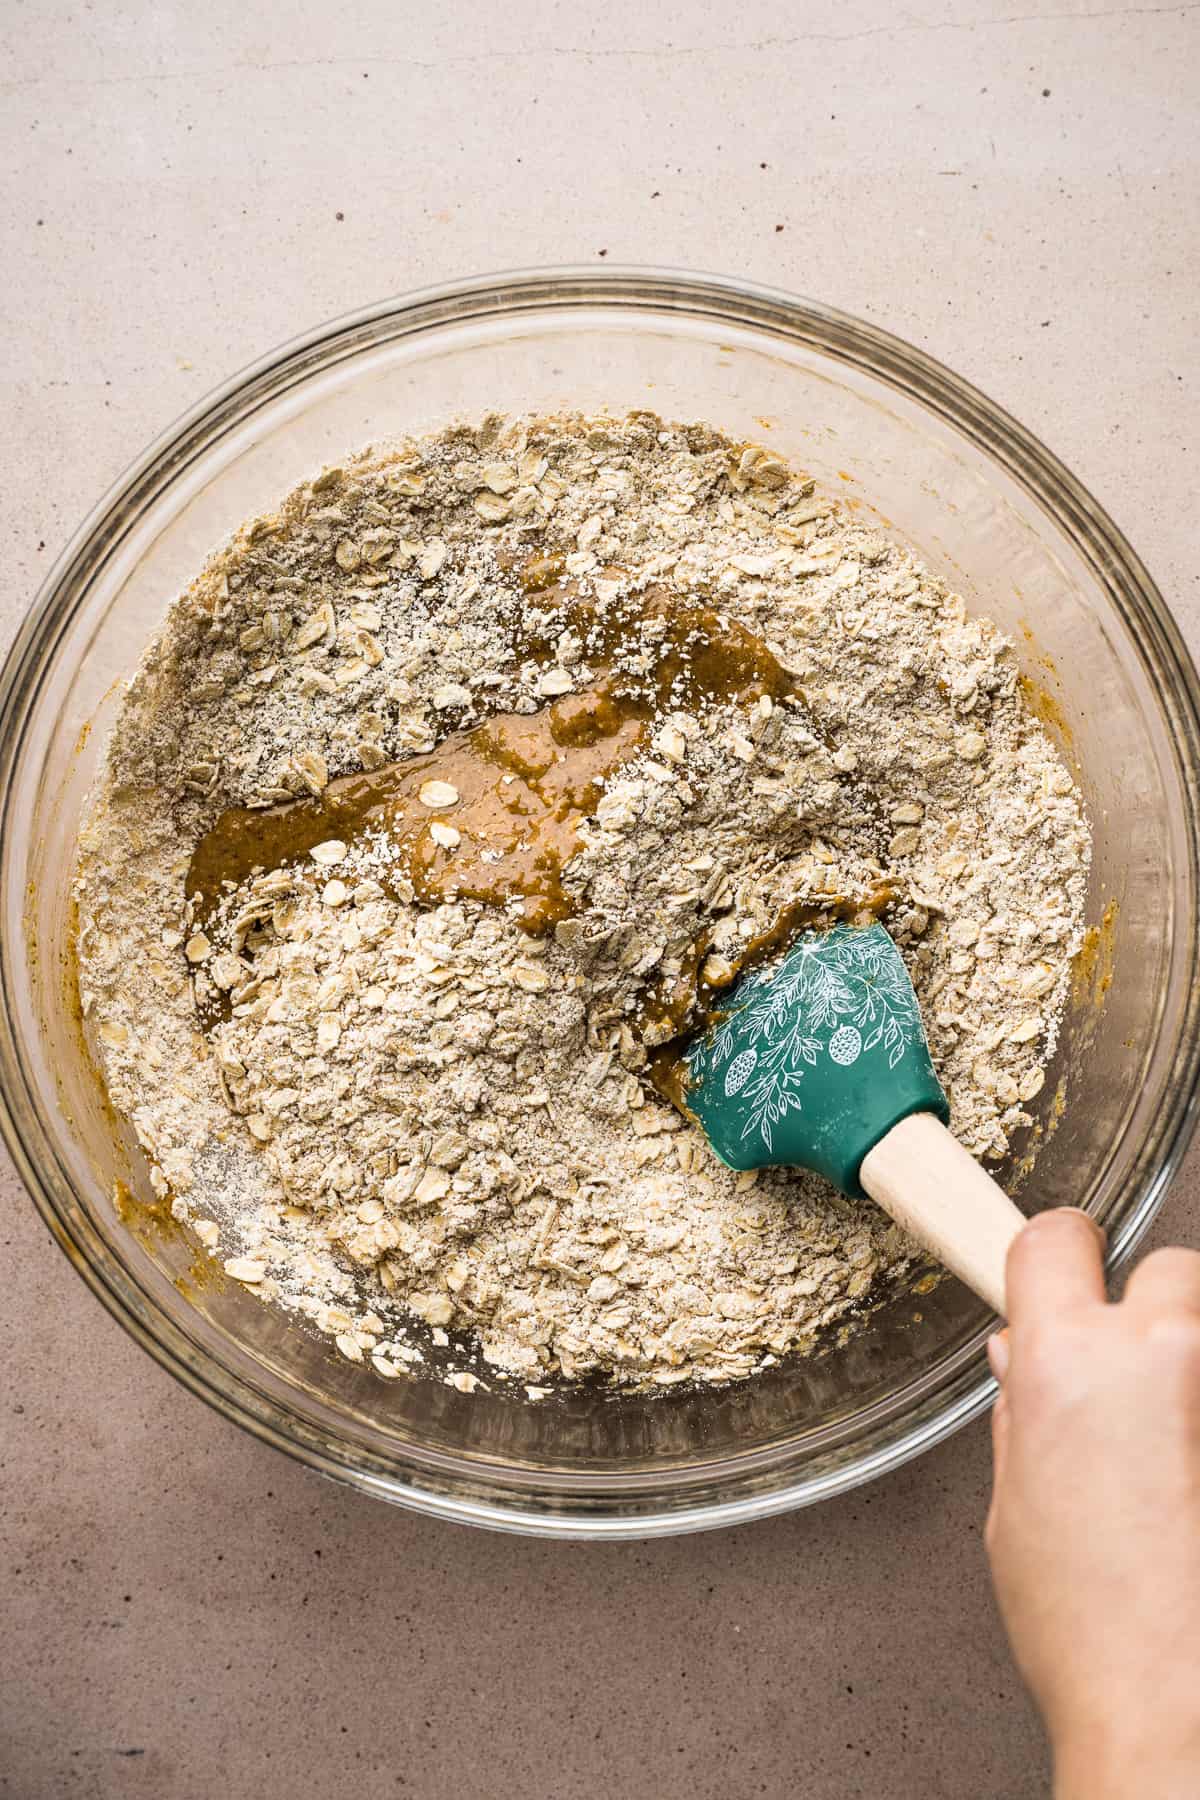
839	993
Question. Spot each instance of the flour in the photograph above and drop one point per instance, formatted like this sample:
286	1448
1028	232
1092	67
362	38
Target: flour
407	1110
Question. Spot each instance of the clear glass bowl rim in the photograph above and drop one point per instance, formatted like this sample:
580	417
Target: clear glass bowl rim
850	340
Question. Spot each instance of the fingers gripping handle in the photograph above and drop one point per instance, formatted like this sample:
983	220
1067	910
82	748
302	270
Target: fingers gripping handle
936	1191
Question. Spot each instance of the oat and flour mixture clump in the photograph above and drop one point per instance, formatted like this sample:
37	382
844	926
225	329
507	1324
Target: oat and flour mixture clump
455	791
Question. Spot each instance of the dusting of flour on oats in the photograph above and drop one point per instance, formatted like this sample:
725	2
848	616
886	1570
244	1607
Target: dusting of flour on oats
374	1106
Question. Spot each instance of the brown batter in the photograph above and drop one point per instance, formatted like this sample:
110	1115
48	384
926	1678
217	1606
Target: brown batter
514	790
666	651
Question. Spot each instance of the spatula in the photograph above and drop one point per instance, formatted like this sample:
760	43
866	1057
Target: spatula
821	1062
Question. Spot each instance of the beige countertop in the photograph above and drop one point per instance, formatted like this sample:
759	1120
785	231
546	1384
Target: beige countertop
187	1616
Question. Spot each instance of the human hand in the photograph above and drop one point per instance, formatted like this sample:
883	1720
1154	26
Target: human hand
1094	1528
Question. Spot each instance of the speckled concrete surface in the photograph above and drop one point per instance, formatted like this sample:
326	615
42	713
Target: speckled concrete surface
186	1615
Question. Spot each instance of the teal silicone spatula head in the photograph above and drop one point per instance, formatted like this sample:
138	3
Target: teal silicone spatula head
815	1059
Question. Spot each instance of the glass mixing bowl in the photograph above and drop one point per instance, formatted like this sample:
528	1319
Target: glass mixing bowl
985	506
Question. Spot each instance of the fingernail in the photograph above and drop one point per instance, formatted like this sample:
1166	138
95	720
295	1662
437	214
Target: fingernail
1076	1212
998	1355
1095	1225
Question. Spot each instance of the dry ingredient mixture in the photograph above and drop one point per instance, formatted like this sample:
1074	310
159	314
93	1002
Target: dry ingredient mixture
459	786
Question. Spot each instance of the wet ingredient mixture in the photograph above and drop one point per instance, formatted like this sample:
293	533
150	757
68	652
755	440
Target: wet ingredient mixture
458	788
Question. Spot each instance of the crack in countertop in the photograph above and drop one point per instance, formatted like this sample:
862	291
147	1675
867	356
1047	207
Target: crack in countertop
665	52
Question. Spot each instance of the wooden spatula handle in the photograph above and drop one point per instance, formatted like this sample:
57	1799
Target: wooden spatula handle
924	1179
